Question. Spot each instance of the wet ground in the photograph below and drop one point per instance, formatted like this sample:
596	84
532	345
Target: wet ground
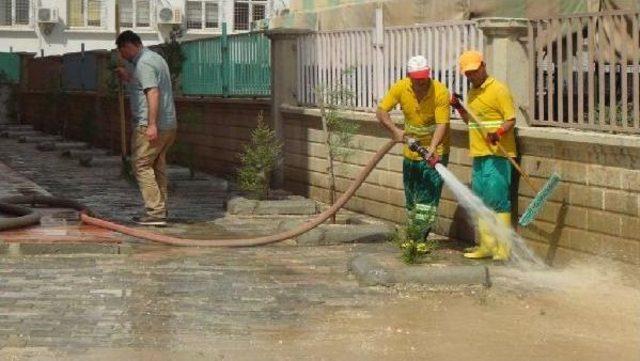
292	303
285	302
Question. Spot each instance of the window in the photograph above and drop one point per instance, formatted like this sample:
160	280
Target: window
135	13
259	11
247	11
84	13
14	12
203	15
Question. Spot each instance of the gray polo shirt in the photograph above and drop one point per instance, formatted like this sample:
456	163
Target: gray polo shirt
150	70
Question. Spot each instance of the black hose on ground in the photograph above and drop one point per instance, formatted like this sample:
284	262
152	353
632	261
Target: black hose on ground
27	216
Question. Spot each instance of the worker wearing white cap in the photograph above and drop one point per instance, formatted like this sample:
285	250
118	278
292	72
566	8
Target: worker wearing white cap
425	105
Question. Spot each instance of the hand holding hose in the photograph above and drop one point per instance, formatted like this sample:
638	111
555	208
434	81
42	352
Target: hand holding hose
398	135
428	155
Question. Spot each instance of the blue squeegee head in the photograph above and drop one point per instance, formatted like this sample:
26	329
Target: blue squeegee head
538	201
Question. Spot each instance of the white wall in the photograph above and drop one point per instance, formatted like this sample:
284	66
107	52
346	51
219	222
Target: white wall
62	39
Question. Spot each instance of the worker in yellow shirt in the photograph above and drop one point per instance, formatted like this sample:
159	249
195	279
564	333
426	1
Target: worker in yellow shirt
491	102
425	105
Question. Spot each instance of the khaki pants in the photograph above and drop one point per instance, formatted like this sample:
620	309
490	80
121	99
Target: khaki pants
150	168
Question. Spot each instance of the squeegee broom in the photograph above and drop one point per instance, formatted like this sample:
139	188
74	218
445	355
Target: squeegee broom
541	196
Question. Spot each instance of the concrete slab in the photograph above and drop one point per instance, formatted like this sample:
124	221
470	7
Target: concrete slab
61	146
240	205
293	205
99	160
16	134
386	270
15	127
39	138
80	153
178	173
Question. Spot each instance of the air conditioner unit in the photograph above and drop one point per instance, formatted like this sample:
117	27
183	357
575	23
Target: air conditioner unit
169	16
47	15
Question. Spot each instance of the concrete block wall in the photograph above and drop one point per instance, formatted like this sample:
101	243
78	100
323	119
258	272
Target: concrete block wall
214	129
594	211
217	129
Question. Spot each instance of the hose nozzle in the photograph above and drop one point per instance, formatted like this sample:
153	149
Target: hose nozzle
431	158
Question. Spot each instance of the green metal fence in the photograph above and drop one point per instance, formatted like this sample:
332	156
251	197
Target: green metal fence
229	65
10	65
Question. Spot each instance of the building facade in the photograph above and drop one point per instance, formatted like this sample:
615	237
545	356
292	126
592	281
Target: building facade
51	27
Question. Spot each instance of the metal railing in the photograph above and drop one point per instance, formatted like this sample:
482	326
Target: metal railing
584	71
366	62
229	65
10	66
79	71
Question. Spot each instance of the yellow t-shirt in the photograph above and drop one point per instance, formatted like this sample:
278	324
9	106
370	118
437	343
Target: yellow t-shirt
493	105
420	119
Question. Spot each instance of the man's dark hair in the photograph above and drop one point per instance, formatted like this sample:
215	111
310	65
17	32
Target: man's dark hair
128	36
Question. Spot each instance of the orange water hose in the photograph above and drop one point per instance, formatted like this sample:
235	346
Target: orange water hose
247	242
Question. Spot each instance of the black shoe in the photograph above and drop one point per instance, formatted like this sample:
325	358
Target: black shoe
150	221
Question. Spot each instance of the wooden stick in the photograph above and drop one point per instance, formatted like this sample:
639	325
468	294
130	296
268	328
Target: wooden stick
474	118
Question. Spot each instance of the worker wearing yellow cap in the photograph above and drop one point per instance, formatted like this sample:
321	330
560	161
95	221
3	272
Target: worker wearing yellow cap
491	103
426	109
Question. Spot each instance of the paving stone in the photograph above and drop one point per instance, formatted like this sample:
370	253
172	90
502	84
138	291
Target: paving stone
176	173
94	160
289	206
248	226
239	205
39	139
15	127
15	134
153	296
79	153
61	146
103	190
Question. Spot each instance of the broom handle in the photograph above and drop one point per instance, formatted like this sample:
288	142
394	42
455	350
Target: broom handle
484	135
123	135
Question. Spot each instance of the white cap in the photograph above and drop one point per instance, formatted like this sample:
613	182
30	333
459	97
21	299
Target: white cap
417	67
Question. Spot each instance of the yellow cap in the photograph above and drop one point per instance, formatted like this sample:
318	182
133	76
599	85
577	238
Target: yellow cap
470	60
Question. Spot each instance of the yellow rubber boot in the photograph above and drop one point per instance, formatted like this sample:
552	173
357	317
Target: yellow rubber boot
471	249
486	244
502	250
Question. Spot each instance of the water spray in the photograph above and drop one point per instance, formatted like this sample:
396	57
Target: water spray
521	255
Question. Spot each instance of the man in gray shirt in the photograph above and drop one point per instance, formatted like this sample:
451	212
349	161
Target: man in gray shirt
154	123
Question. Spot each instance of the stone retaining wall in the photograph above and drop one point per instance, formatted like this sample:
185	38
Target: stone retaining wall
212	129
594	211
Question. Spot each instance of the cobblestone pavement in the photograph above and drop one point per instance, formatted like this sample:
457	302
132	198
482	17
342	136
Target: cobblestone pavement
153	298
280	302
102	189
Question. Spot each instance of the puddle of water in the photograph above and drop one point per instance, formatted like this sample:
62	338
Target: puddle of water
521	255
